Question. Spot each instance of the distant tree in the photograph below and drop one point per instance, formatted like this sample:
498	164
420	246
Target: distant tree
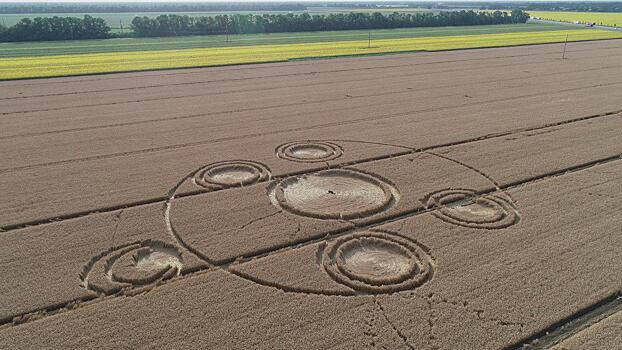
56	28
145	26
3	32
95	28
519	16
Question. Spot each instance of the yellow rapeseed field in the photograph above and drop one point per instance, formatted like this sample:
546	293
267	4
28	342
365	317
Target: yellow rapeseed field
47	66
604	18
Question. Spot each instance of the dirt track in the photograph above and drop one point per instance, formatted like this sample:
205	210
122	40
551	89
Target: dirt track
472	202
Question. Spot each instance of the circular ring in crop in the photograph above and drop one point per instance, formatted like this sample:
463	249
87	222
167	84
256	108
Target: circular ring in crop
466	208
309	152
377	262
231	174
334	194
131	265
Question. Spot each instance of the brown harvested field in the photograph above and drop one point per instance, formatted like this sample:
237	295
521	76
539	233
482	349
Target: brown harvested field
449	200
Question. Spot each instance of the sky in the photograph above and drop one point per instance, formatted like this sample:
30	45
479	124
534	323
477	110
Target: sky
295	1
108	1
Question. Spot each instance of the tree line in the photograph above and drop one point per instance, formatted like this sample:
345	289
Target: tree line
71	28
177	25
56	28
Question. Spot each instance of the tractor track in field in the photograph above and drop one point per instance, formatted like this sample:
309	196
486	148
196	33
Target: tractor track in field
317	126
571	325
407	150
254	90
203	82
204	115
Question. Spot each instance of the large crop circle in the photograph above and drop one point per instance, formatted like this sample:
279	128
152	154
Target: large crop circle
334	194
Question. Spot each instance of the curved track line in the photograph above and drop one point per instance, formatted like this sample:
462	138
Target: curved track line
58	308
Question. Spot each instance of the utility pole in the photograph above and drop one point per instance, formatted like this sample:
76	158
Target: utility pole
369	41
121	25
565	43
227	30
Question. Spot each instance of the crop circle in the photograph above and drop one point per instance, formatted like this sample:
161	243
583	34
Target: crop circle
377	262
309	152
231	174
466	208
132	265
334	194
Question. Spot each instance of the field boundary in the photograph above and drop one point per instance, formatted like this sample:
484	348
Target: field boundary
573	324
313	58
302	59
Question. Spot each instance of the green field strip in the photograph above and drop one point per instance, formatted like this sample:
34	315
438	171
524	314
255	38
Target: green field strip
206	41
63	65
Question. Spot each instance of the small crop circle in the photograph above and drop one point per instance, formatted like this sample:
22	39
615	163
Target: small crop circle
467	208
132	265
377	262
309	152
231	174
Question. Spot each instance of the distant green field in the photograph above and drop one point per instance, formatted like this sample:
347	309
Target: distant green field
118	20
192	42
63	65
601	18
324	10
